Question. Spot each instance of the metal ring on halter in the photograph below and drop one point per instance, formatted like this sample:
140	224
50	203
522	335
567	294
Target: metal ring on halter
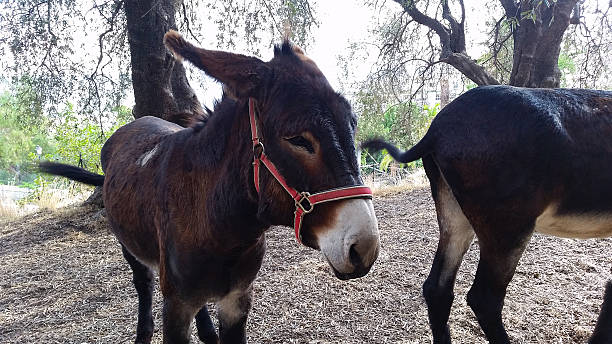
257	154
298	203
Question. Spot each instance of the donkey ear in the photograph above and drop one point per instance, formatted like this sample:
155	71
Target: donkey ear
243	75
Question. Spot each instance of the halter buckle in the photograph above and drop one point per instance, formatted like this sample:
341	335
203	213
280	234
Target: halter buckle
298	203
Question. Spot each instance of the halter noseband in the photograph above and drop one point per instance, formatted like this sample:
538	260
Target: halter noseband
304	201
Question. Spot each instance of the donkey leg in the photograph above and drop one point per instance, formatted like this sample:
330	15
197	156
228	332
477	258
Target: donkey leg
603	329
233	311
177	320
456	235
143	282
205	326
498	259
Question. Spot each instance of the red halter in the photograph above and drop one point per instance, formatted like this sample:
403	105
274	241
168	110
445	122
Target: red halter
304	201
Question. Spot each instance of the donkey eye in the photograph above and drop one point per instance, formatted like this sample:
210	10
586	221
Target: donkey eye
301	142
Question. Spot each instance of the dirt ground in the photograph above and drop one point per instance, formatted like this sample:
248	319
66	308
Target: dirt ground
63	280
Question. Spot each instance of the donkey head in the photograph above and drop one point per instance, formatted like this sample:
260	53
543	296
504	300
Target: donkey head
308	131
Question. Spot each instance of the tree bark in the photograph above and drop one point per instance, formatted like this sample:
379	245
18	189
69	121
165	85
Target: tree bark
537	40
452	41
444	91
160	85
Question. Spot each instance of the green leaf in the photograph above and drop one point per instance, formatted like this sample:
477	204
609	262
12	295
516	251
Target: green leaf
385	162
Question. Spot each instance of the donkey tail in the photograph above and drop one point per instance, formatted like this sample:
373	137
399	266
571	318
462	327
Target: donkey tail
416	152
71	172
603	328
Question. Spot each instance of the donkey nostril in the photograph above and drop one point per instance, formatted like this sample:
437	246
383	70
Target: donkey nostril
354	257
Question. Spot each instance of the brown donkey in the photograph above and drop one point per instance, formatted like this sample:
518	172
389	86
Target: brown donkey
504	162
194	203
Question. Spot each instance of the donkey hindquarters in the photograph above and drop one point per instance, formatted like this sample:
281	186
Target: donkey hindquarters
504	162
502	238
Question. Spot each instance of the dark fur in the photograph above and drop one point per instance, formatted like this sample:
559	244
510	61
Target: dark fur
603	329
505	154
191	208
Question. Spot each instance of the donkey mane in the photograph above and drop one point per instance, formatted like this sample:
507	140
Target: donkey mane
197	123
286	48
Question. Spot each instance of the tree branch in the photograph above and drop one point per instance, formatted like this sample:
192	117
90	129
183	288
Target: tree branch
271	13
452	40
111	21
421	18
470	69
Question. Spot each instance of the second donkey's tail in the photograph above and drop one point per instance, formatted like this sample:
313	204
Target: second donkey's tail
418	151
71	172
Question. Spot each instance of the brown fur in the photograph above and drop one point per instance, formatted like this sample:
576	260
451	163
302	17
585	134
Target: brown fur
183	201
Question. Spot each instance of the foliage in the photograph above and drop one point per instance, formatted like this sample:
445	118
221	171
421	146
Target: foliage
39	186
22	128
257	21
567	66
79	143
401	123
67	137
386	161
69	49
77	50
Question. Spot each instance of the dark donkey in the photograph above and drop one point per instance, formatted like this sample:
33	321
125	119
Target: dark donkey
504	162
185	200
603	329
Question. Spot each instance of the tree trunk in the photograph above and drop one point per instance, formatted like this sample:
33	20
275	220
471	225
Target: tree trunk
537	40
95	198
537	43
160	85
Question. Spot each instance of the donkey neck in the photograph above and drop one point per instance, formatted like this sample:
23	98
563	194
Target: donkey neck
221	154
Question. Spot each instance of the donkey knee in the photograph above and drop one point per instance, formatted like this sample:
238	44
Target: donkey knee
479	303
143	283
486	299
487	305
436	296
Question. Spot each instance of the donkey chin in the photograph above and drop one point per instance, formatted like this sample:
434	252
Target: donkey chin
351	243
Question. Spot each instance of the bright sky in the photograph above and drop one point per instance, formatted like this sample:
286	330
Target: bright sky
342	22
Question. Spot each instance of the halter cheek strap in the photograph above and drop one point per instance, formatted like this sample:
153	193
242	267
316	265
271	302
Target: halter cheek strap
304	201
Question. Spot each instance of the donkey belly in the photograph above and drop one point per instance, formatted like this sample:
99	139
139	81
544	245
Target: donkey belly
582	226
138	237
205	273
130	199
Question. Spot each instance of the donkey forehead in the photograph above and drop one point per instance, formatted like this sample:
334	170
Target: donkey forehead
302	87
291	67
299	106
